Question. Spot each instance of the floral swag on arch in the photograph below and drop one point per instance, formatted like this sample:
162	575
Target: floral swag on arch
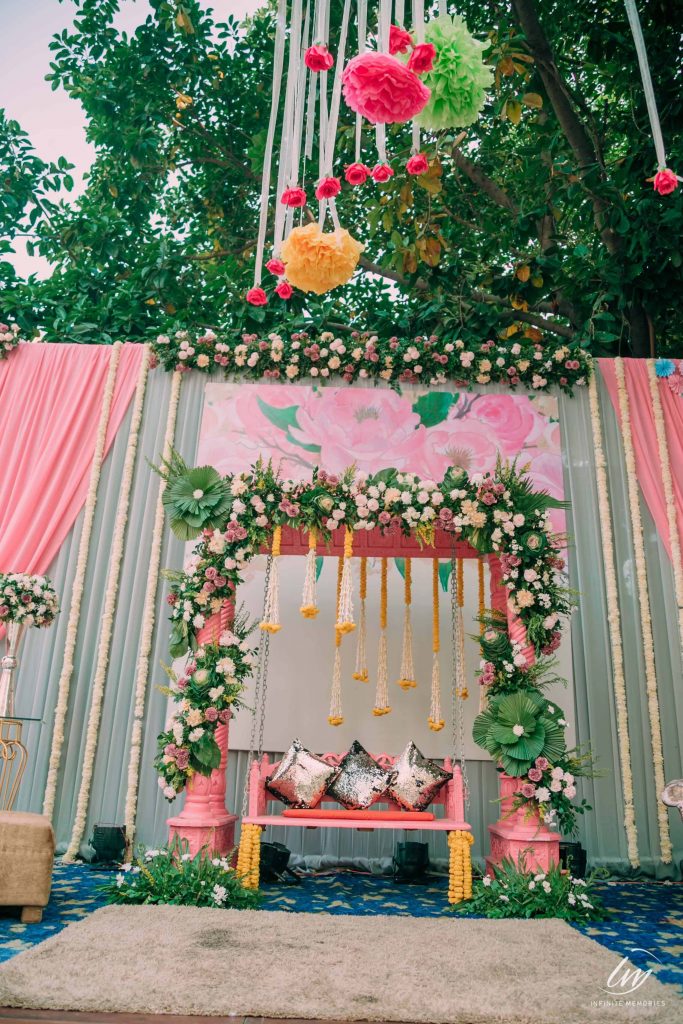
236	517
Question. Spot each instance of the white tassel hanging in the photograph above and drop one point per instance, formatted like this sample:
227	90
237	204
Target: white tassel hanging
407	678
435	720
361	673
345	623
382	690
271	614
309	601
336	715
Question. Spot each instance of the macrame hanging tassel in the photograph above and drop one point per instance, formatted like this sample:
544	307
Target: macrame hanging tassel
382	692
407	680
483	702
345	623
361	673
336	716
435	720
461	690
271	614
309	601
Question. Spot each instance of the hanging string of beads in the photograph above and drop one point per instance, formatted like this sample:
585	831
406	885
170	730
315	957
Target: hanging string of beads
309	601
435	720
407	679
271	614
249	856
461	690
336	716
345	623
459	866
382	692
361	673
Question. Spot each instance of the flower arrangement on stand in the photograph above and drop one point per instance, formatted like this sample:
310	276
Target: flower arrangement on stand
291	356
24	601
9	339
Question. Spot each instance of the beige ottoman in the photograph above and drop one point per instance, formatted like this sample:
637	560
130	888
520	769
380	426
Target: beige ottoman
27	849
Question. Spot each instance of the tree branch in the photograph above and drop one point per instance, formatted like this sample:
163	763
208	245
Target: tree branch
485	184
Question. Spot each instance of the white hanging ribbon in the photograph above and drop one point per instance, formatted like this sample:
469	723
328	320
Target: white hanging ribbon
399	12
278	62
284	214
336	93
637	32
383	25
443	6
362	39
419	30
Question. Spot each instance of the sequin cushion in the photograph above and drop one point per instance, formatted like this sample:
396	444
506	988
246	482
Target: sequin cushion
360	781
301	778
416	780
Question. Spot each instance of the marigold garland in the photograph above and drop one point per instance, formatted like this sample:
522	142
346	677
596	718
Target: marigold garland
407	680
271	616
382	693
361	673
336	716
435	720
64	684
459	866
249	856
309	602
645	612
614	624
345	623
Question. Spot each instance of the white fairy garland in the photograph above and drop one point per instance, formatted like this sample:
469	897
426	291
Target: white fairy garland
614	623
148	620
78	585
645	612
671	507
110	599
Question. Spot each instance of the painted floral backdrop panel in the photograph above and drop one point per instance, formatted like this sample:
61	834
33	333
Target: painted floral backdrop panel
419	430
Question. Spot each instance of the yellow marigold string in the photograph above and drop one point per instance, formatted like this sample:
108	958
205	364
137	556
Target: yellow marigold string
361	673
459	866
435	720
345	623
309	604
382	694
335	716
249	856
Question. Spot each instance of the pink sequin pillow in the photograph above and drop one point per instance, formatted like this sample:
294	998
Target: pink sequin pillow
382	89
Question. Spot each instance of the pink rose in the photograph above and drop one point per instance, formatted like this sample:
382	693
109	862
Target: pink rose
417	164
318	58
357	174
328	188
182	683
294	196
256	297
528	790
275	266
382	89
211	715
535	774
284	290
543	763
400	41
183	758
665	182
170	750
421	59
381	172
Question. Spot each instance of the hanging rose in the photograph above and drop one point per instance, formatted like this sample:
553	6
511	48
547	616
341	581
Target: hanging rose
275	266
256	297
418	164
318	58
284	290
421	60
294	196
665	182
383	89
381	172
328	188
357	174
400	41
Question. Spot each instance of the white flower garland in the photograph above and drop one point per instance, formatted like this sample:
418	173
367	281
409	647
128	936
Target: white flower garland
110	600
671	509
148	620
614	622
78	584
645	612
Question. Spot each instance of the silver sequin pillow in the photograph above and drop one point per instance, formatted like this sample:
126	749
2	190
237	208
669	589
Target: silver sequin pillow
301	778
416	780
360	781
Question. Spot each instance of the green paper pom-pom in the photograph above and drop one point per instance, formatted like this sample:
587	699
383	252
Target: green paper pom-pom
459	78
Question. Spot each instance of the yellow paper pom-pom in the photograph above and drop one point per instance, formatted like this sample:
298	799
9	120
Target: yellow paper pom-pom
316	260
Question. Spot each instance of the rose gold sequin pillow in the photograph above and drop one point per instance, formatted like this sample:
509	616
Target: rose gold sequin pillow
301	778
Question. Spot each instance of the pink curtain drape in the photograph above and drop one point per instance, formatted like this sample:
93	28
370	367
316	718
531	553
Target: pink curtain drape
646	448
50	406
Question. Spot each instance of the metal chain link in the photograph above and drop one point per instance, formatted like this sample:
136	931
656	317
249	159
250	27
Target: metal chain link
258	716
457	717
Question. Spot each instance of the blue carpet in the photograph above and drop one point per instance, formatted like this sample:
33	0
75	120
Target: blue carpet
645	915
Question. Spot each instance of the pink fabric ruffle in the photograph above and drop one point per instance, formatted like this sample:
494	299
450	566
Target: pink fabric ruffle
383	89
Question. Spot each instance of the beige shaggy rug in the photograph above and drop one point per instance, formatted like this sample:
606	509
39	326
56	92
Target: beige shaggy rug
184	960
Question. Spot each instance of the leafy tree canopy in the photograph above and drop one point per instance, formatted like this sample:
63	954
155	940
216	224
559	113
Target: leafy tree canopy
538	219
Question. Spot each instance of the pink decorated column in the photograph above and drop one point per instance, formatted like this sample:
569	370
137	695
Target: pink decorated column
205	820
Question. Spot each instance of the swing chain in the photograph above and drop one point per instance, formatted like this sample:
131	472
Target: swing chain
457	717
258	716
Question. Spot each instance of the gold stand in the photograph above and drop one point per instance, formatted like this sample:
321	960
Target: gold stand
13	758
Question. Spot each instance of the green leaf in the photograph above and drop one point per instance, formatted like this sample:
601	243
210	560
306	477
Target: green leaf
434	407
207	752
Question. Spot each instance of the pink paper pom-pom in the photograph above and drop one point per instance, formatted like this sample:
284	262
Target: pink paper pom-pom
382	89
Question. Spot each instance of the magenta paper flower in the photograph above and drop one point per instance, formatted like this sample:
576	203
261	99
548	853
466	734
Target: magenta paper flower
328	188
284	290
318	58
256	297
381	173
294	196
422	58
400	41
417	164
357	174
383	89
275	266
665	182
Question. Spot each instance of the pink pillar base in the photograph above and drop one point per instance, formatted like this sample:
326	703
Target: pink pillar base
516	835
204	820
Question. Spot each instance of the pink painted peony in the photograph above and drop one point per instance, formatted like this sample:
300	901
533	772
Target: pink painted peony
421	59
294	196
665	182
318	58
418	164
400	41
328	188
256	297
275	266
357	174
382	89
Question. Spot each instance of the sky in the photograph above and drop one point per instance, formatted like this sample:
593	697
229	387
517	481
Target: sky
54	122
